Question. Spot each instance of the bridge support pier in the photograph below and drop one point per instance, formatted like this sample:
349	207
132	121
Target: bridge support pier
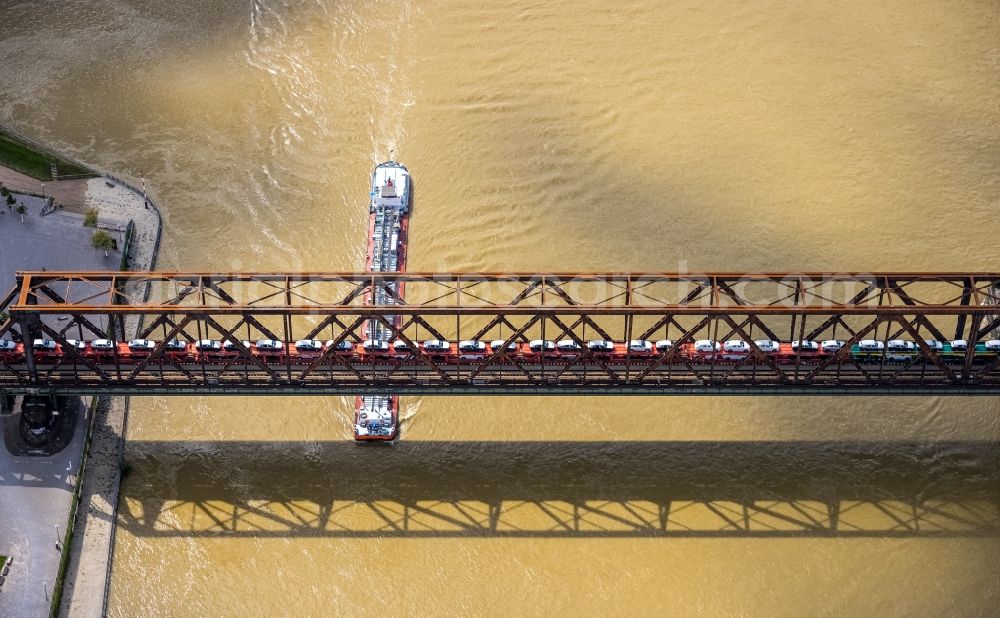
39	413
41	424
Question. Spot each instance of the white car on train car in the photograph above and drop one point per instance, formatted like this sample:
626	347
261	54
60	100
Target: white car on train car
735	349
805	345
663	345
176	345
538	345
269	346
102	345
640	346
737	346
768	346
496	344
707	346
345	345
141	345
899	351
870	345
471	345
6	345
470	349
375	346
601	346
208	345
568	345
308	346
230	346
437	345
831	345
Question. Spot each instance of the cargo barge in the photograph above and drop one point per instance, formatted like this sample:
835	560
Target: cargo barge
376	417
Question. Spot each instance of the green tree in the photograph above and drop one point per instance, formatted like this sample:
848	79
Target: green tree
21	210
10	199
3	191
90	218
103	241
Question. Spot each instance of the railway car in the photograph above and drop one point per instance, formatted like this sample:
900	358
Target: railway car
306	351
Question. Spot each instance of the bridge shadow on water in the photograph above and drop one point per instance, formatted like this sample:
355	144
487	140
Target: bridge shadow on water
562	489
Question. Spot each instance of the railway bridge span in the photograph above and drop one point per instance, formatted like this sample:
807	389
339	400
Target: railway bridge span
501	334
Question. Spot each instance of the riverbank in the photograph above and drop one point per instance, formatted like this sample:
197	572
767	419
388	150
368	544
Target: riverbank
88	569
91	552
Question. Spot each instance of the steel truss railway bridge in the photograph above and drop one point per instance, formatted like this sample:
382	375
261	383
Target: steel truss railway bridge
682	307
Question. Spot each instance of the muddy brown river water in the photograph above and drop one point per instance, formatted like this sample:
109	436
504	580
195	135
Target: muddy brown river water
769	136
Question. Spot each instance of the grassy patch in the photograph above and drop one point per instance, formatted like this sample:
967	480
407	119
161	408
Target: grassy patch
3	561
31	161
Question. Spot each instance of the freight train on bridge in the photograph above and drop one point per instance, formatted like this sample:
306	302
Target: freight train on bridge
475	333
107	354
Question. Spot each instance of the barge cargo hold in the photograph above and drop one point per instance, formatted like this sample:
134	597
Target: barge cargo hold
376	417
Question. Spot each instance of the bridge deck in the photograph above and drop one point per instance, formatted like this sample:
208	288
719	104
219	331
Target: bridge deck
923	312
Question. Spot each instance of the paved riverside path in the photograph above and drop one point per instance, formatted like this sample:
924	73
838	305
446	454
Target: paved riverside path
54	242
35	497
86	574
72	193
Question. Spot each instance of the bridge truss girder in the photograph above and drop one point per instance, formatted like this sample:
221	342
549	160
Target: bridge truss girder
682	307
